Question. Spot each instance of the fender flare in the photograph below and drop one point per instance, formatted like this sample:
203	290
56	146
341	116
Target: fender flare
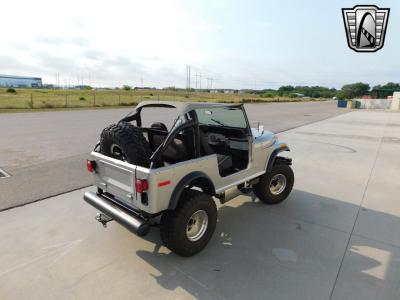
201	179
274	157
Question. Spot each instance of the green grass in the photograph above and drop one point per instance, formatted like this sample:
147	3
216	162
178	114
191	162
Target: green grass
44	100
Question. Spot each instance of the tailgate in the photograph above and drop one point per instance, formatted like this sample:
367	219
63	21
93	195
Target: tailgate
116	178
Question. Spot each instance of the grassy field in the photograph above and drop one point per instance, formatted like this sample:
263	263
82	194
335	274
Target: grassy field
41	99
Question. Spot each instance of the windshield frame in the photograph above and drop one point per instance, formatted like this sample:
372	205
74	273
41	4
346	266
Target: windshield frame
220	123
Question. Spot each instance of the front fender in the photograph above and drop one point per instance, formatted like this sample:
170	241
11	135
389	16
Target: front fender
279	147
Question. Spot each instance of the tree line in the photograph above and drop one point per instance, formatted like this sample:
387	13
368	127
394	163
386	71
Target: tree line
348	91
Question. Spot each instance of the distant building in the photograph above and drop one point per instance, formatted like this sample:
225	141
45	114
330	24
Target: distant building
299	95
224	91
246	91
144	88
230	91
82	87
49	86
20	81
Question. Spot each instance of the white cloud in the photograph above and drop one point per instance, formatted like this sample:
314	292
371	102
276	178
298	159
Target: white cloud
237	43
115	41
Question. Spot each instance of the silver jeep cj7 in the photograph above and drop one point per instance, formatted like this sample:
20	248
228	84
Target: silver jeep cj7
154	176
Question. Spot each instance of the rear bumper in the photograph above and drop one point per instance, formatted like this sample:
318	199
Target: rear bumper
133	223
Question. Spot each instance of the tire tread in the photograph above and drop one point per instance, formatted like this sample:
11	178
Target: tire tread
130	139
261	190
171	231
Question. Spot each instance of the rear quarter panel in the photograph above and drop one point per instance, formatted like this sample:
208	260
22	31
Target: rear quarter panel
160	196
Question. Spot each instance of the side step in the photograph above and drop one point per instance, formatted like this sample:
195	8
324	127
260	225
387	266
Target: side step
133	223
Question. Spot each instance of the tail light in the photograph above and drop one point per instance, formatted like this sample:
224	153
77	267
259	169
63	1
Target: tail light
141	185
91	165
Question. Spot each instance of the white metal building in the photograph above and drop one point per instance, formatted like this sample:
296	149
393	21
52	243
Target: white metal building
19	81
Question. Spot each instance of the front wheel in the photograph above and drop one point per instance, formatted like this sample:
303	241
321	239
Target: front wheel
274	187
187	229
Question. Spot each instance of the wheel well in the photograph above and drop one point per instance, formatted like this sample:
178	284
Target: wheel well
204	184
274	158
192	180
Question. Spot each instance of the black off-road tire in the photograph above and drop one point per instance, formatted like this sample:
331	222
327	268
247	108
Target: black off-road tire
263	191
135	149
174	223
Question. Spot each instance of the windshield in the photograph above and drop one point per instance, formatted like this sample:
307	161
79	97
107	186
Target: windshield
222	116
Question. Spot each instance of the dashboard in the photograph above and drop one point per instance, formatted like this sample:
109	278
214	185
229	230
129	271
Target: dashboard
217	139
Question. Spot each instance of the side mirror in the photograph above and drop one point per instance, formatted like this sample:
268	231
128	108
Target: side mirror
260	128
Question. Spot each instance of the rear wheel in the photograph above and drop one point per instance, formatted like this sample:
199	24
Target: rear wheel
187	229
274	187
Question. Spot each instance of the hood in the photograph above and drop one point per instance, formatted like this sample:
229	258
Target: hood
266	137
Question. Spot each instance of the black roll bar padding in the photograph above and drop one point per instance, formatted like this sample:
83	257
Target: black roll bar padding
157	154
130	118
197	150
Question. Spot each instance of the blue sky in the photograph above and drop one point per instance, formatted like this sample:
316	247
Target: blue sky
240	44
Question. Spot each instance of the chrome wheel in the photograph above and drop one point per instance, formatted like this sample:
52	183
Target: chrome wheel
277	184
197	225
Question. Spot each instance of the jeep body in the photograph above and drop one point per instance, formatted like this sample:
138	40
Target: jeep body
236	159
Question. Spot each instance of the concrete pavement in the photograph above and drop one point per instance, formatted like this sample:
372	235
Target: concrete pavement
336	236
45	152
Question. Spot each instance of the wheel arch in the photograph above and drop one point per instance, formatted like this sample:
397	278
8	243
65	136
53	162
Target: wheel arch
195	179
274	158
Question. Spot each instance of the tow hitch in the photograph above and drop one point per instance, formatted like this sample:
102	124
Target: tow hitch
110	211
103	219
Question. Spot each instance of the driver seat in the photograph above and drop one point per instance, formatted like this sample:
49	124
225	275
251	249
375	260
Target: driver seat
175	152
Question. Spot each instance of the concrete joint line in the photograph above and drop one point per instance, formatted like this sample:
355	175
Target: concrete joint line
47	197
359	208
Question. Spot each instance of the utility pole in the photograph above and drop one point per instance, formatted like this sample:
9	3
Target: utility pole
209	83
57	80
200	81
188	77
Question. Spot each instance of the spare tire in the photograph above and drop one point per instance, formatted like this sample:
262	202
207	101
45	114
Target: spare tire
125	142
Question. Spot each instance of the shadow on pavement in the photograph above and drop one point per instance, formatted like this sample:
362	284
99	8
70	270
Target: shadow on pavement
260	251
